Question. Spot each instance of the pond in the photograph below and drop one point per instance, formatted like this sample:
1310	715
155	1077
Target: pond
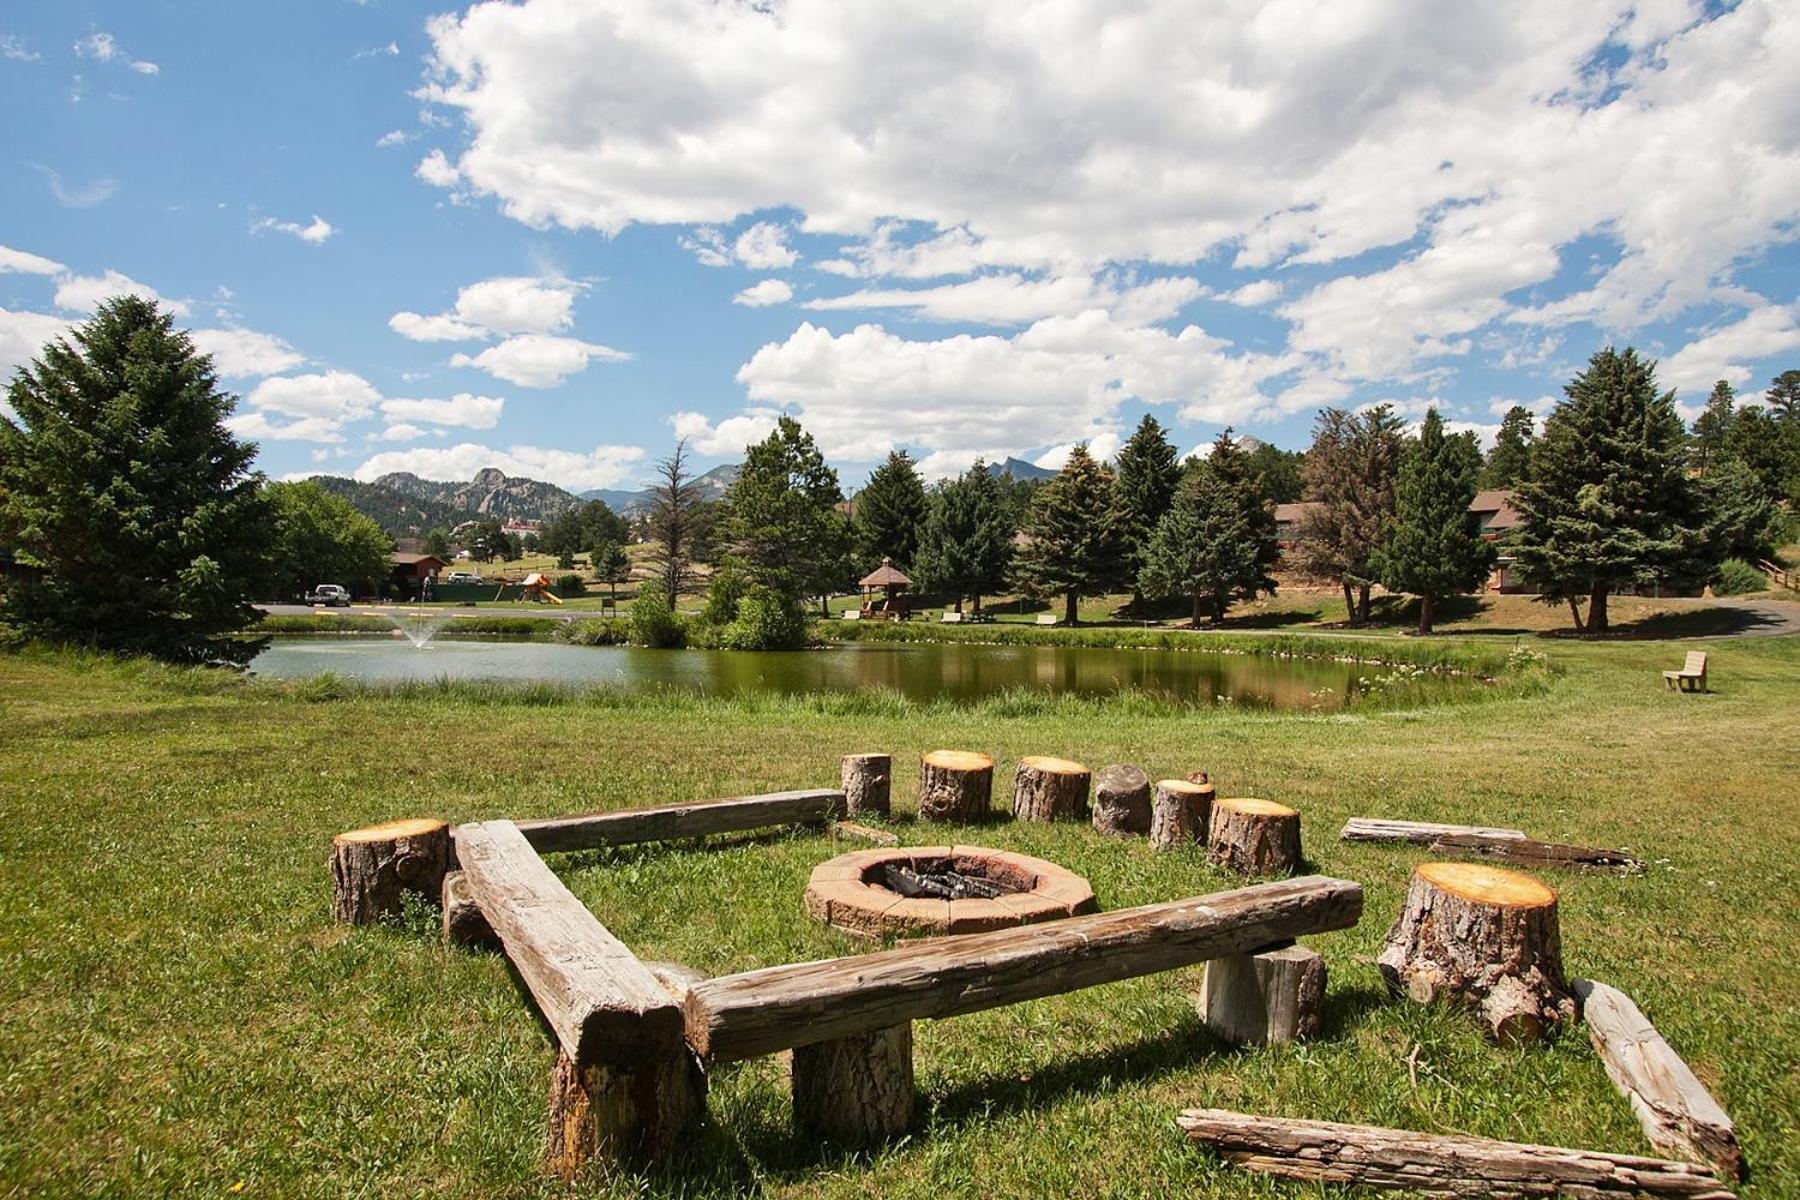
922	671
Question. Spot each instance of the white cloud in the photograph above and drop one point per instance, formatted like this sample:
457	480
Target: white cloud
23	263
394	137
246	354
23	336
463	409
1726	352
103	47
604	466
441	328
437	170
537	360
83	293
146	68
310	408
765	293
727	437
72	195
1012	299
316	233
14	48
763	247
401	432
1103	446
502	305
1256	292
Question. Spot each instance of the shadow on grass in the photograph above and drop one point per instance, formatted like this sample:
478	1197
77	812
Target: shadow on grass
1693	623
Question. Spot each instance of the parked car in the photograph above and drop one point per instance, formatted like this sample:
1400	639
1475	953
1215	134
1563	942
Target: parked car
329	594
462	577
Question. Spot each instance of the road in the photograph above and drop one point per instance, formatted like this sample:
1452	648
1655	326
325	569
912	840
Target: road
548	612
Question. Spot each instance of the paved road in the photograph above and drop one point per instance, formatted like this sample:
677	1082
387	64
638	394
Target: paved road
549	612
1761	618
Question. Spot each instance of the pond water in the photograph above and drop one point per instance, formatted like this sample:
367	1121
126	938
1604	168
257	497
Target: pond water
922	671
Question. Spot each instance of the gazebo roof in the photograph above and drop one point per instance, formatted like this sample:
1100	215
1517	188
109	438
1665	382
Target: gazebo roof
886	575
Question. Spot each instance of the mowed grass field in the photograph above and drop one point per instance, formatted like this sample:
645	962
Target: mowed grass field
178	1016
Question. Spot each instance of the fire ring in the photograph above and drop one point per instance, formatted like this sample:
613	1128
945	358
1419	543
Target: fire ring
942	889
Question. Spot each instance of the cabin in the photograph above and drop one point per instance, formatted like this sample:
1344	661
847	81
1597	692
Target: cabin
416	574
1496	518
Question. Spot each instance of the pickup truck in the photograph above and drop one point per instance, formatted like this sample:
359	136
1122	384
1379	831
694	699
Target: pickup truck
329	594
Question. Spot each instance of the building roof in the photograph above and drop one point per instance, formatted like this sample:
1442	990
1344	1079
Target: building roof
1287	514
1495	508
412	560
886	575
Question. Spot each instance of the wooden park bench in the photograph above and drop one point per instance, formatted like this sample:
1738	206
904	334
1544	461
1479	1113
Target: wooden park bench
1692	676
952	618
1048	619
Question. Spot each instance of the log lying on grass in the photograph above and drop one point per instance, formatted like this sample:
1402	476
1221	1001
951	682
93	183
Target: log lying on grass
1050	789
866	833
759	1012
1418	833
665	822
1269	996
867	780
1524	852
1678	1115
1437	1164
372	868
1179	812
955	785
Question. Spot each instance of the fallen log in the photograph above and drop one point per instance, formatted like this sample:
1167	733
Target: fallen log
1677	1113
1437	1164
667	822
1525	852
759	1012
1418	833
866	833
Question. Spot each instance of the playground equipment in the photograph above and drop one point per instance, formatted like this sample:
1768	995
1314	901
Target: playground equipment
535	588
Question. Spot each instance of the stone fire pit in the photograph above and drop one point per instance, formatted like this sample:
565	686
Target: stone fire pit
942	889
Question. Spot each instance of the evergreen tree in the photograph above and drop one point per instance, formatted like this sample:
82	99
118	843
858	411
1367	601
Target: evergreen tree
1350	471
1769	446
1074	546
1609	502
1509	462
1784	395
1712	426
1742	518
966	548
437	542
676	523
1216	544
1148	474
321	538
1434	547
1277	473
120	479
782	523
611	567
890	513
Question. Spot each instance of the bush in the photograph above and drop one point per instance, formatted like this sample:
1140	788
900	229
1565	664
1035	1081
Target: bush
724	596
597	631
571	586
654	623
1737	577
766	620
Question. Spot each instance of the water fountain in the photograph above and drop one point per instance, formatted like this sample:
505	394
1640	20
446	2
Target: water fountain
419	625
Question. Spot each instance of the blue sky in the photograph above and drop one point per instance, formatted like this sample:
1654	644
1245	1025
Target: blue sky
552	236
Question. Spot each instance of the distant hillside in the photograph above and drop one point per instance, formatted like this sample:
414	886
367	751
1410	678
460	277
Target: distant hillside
712	486
1018	468
490	494
401	515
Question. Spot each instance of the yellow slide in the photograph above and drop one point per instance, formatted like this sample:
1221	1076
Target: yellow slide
537	587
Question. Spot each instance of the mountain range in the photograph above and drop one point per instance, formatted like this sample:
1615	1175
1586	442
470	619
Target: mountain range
711	486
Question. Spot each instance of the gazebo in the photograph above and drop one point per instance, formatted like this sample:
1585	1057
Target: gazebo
891	583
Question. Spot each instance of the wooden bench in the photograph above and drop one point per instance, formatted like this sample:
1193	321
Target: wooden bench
951	618
1048	619
1692	676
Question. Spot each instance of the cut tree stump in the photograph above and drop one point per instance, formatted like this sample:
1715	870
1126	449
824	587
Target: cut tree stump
1526	853
1487	937
1436	1164
1253	837
1122	801
857	1088
866	779
1677	1113
1270	996
1050	789
1418	833
1179	812
616	1114
464	926
955	785
371	868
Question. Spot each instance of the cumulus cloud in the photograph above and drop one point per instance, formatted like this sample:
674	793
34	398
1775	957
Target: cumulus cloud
604	466
103	47
311	408
441	328
727	437
394	137
537	360
761	247
22	263
502	305
245	353
765	293
401	432
83	293
1103	446
1725	352
1254	294
315	233
1012	299
463	409
437	170
14	48
23	336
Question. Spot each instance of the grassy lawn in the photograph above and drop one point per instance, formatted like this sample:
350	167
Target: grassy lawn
178	1015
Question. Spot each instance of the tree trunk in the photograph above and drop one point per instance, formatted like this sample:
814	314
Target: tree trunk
371	868
1179	811
867	779
1427	603
1272	996
977	603
959	601
1254	837
955	785
1122	801
1487	937
1050	789
1197	613
1349	603
1596	620
858	1087
1071	613
621	1115
1221	605
1575	613
1362	604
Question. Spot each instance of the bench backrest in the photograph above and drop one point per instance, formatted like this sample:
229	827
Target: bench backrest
1696	663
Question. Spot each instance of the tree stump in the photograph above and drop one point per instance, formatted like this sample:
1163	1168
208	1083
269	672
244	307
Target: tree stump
1122	801
1179	812
1050	789
620	1115
1272	996
370	868
866	780
955	785
1487	937
1254	837
857	1088
464	926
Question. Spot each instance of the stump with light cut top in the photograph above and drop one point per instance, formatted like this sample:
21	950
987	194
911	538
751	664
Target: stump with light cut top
1122	801
1253	837
1050	789
866	780
372	868
955	785
1179	812
1486	937
1269	996
856	1088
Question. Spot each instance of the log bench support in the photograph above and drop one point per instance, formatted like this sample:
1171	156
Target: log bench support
1271	996
857	1088
867	780
371	869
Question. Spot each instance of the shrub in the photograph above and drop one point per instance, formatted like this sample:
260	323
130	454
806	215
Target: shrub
570	586
1737	577
654	623
597	631
766	620
724	596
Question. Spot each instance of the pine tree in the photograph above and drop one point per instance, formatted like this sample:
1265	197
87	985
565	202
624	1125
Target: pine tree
1784	395
1769	446
1350	471
675	523
782	523
1434	548
120	479
890	513
1713	425
967	545
1609	502
611	567
1216	544
1074	547
1509	462
1148	474
1742	518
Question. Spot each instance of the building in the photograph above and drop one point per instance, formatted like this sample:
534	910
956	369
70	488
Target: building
415	573
1493	509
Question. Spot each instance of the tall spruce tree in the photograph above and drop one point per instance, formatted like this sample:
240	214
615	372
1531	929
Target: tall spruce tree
675	523
782	524
1742	518
1784	395
1713	425
1149	471
1769	446
120	479
967	545
1073	547
890	513
1434	547
1216	544
1609	502
1350	472
1509	462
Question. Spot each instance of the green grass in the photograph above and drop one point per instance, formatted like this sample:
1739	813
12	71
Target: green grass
178	1016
